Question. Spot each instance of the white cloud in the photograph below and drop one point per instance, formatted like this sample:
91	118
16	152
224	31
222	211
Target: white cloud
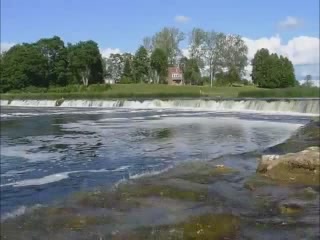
303	51
182	19
185	52
300	50
5	46
290	23
106	52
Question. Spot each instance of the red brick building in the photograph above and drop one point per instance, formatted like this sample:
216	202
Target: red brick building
175	76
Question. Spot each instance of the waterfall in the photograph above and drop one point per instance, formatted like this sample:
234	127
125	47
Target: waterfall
303	106
29	103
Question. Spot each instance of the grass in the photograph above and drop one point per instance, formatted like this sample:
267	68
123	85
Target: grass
148	91
294	92
128	91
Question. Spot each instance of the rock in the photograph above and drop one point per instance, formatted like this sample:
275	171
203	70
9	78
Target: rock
290	208
300	167
307	194
306	136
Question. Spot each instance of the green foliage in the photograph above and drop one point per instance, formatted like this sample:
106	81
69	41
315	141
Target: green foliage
114	66
229	78
168	40
126	80
272	71
141	64
159	64
127	71
128	91
86	63
48	62
191	72
23	66
56	56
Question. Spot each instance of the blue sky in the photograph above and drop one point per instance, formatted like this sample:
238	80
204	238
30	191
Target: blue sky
122	24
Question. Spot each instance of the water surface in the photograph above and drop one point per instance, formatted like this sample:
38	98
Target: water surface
49	153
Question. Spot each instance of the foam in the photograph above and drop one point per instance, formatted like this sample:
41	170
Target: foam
149	173
58	177
19	211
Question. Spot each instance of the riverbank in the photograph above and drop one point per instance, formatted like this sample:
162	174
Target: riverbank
220	199
152	91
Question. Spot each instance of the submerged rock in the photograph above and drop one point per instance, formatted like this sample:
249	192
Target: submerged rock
301	167
204	227
290	208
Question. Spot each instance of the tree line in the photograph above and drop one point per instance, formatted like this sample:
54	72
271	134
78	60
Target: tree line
213	58
211	54
49	62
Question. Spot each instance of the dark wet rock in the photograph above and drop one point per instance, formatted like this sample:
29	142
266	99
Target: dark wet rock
290	208
301	167
59	102
306	136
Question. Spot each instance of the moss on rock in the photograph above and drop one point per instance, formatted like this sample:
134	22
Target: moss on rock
207	175
302	167
204	227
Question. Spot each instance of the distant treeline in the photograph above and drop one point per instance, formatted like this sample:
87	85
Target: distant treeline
213	57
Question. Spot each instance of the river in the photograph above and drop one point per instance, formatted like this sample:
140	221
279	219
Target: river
48	153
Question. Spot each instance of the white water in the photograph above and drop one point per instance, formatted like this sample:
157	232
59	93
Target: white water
57	177
304	106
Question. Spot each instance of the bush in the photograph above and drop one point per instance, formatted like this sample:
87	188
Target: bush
126	80
33	89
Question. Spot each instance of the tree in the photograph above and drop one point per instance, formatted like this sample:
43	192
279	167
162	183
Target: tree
114	66
260	67
213	52
23	66
191	73
86	62
235	53
272	71
288	79
147	44
127	75
308	81
56	55
159	64
196	46
141	65
168	39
